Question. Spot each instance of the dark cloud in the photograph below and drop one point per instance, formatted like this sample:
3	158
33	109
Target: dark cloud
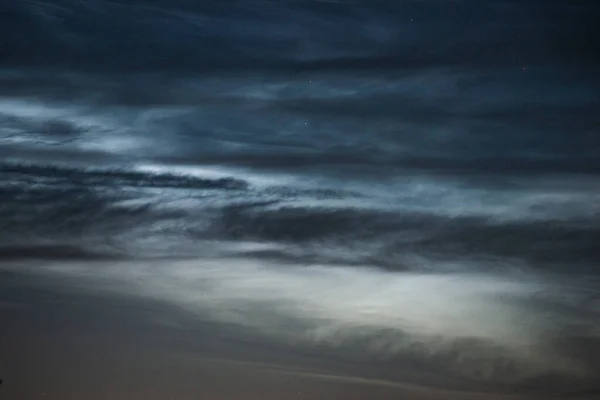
96	206
50	252
390	191
410	35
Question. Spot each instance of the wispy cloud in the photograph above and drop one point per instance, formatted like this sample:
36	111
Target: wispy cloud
496	327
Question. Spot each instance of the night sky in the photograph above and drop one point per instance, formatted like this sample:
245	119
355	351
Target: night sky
299	199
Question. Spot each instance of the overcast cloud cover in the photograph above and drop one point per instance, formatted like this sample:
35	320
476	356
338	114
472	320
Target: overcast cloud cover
412	182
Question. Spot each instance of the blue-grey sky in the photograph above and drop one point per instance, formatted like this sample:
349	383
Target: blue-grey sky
359	198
